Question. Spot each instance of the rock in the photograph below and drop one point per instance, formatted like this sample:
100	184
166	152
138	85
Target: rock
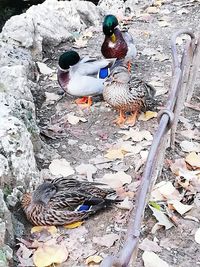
6	256
6	229
16	146
13	55
17	124
3	260
117	9
2	232
36	27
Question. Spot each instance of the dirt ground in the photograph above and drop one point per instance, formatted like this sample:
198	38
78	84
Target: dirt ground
87	141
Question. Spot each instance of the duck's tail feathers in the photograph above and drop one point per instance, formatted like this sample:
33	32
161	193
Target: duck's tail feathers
105	203
151	91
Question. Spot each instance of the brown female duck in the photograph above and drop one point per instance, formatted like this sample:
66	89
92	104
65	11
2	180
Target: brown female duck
126	93
64	201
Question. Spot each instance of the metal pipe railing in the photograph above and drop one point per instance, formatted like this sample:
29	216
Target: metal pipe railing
154	163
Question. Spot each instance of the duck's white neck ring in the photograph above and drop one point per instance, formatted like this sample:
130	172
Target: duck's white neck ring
63	69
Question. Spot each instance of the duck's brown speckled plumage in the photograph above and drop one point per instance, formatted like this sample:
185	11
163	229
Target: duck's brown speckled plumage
55	202
127	93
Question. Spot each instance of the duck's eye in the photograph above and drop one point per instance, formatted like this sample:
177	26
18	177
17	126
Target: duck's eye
49	190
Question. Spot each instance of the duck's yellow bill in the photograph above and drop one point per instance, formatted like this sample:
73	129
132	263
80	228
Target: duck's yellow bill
113	38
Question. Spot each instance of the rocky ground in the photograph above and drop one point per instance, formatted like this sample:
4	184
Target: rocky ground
89	137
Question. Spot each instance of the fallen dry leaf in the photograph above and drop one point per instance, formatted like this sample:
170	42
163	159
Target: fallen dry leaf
25	255
193	159
147	115
73	225
87	148
197	236
160	57
53	77
159	86
43	68
126	204
116	180
51	97
161	218
164	191
136	135
152	10
179	207
115	154
80	43
87	169
51	229
188	146
152	260
148	245
93	259
124	148
61	167
106	240
49	254
177	165
72	119
163	23
169	191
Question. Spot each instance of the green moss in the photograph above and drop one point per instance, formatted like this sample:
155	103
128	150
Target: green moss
7	190
3	260
2	88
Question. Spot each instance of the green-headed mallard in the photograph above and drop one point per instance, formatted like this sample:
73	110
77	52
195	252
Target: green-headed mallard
127	94
117	44
64	201
82	77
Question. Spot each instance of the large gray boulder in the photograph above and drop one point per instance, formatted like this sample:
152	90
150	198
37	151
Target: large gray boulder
6	232
49	23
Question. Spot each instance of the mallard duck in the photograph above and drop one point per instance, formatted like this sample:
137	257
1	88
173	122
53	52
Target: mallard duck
82	77
127	94
117	44
64	201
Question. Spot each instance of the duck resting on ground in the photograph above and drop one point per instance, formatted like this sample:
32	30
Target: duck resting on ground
117	44
127	93
82	77
64	201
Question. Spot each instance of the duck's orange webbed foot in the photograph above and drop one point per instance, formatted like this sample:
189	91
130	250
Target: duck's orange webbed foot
121	119
87	103
82	100
132	119
129	66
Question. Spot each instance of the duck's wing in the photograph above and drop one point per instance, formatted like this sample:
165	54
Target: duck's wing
132	51
91	66
66	200
83	187
140	87
74	199
142	91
